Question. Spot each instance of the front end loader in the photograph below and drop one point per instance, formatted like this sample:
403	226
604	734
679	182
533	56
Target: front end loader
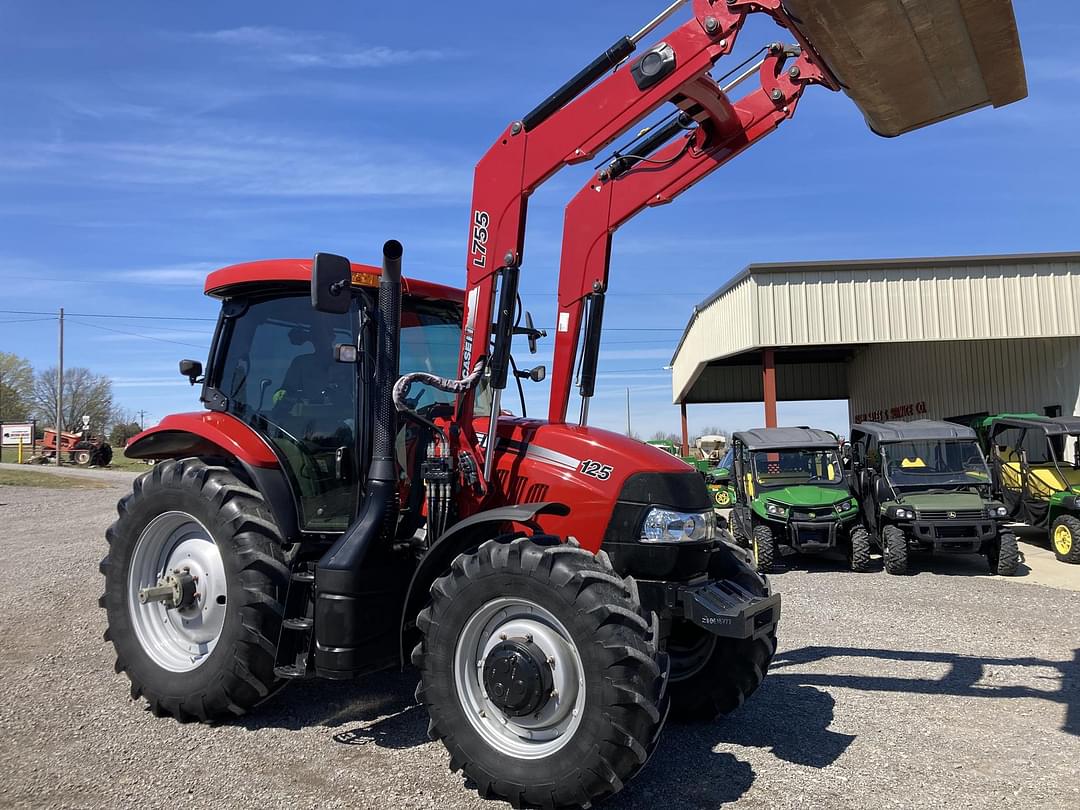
354	497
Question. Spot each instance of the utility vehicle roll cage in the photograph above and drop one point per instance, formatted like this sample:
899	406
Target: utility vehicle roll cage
582	117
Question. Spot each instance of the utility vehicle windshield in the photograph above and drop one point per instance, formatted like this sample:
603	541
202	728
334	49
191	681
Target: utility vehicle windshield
934	464
781	468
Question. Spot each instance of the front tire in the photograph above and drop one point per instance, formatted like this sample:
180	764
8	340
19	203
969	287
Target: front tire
1004	555
591	720
764	547
214	657
1065	539
860	549
895	547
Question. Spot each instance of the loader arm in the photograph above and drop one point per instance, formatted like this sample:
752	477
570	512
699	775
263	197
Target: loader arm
648	178
570	127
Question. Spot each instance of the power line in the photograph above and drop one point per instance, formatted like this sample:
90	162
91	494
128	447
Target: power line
136	334
111	315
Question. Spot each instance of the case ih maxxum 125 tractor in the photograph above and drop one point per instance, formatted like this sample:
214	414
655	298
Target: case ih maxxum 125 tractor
557	586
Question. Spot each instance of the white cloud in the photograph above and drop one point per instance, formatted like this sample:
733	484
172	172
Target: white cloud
180	275
304	49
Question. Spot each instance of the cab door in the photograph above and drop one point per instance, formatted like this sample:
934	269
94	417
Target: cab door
277	373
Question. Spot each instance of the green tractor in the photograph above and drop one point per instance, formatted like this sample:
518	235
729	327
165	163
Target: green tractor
790	490
1036	468
924	486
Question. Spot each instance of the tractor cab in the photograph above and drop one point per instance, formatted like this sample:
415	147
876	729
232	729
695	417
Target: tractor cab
1036	472
791	491
924	486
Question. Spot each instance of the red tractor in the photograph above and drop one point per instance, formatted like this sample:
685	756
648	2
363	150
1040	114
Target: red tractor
558	587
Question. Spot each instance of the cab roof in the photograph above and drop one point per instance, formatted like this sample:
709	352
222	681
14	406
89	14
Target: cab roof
785	437
230	280
1052	426
916	430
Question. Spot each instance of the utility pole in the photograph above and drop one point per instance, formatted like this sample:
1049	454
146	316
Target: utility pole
142	414
60	389
628	412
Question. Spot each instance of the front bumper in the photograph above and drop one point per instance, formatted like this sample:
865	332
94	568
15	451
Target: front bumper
720	606
952	537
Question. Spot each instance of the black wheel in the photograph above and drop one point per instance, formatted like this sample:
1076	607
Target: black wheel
1065	539
764	546
894	546
711	675
1004	555
860	549
540	673
101	456
206	650
82	454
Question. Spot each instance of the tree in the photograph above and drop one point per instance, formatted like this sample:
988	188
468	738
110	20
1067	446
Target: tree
16	387
85	394
122	431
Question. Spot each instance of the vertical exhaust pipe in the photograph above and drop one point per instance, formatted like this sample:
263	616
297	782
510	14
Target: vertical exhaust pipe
357	604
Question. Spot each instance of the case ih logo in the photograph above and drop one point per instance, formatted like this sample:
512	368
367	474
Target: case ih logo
952	515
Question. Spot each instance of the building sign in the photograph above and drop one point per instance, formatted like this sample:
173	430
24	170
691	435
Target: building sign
16	432
894	413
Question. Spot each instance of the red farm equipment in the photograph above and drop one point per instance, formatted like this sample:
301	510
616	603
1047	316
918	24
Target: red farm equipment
558	587
79	448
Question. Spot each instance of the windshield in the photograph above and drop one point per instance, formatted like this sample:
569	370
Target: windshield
933	463
782	468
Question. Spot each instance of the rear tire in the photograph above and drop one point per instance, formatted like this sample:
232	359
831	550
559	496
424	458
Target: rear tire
895	547
1065	539
860	549
1004	555
764	547
232	672
620	699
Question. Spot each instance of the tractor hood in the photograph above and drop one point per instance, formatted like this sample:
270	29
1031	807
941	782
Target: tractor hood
910	63
806	495
945	500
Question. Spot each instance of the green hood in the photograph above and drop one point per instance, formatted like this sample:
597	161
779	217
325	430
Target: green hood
805	495
944	500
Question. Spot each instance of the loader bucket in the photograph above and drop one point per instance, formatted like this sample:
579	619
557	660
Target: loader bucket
910	63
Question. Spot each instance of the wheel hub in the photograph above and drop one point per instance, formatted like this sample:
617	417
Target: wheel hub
517	677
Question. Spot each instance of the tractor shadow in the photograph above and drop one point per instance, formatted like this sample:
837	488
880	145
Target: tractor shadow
965	676
950	565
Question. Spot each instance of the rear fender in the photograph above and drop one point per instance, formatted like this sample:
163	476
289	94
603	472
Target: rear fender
212	435
467	534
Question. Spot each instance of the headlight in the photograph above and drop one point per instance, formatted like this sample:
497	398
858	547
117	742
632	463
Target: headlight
902	513
775	509
998	511
668	526
845	506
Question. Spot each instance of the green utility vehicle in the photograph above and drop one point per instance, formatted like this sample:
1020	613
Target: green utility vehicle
790	490
718	480
1036	470
924	486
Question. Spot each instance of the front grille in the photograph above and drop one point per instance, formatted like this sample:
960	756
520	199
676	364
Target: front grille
952	514
824	513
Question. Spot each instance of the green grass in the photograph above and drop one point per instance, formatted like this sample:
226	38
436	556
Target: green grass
10	455
34	478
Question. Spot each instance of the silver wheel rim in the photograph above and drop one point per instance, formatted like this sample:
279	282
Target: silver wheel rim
179	639
554	725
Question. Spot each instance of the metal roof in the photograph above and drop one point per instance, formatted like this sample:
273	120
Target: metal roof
827	307
790	437
916	430
1056	426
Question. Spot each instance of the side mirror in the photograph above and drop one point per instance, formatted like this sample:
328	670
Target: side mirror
331	276
537	374
192	369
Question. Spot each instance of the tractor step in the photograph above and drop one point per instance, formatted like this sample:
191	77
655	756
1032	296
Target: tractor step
289	672
298	623
303	576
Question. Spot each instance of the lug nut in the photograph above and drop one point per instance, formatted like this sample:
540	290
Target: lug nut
515	128
711	24
794	72
776	95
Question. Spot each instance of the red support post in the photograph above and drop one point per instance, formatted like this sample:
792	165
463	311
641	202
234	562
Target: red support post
768	381
685	433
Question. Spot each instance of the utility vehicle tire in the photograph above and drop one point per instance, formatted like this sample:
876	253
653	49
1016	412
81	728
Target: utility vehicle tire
859	538
1004	555
711	675
894	545
523	599
1065	539
215	657
764	547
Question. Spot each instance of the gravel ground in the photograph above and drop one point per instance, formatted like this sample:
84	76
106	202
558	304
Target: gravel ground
942	689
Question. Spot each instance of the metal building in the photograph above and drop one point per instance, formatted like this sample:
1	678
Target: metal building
937	338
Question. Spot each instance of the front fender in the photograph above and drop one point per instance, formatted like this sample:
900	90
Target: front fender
466	534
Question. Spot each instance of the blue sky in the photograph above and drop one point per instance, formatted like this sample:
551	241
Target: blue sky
145	144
